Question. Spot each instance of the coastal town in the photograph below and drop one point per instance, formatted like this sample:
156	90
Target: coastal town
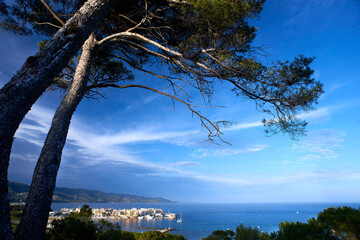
109	213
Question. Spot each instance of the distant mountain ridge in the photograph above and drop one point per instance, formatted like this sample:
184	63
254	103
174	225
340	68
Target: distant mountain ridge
19	191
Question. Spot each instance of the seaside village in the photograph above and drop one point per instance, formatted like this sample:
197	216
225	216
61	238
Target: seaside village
108	213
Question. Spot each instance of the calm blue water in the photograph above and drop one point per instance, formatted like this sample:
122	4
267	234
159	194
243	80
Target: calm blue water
200	219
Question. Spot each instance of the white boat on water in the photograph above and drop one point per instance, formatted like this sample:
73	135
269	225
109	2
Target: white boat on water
180	219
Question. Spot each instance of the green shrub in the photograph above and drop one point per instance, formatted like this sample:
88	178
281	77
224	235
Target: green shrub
72	228
221	235
156	235
342	222
248	233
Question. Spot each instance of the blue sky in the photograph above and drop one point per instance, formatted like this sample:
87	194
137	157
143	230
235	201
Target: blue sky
137	142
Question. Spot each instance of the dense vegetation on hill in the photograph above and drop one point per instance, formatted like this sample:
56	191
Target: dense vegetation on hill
18	193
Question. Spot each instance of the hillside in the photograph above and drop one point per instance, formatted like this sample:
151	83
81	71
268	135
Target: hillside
18	193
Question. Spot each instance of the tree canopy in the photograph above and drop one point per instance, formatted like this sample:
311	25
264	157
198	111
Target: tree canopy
201	42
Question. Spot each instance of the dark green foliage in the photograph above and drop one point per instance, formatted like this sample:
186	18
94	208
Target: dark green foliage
249	233
127	236
110	234
3	8
287	86
72	228
79	226
104	225
204	22
15	215
311	230
221	235
109	231
27	17
155	235
85	213
343	222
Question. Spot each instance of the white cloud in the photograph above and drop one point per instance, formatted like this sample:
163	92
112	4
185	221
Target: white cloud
187	164
242	126
315	175
202	153
324	113
318	115
311	157
93	147
321	144
139	136
302	12
26	157
35	132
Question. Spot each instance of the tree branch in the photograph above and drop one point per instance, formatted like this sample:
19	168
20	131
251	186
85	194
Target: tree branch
204	121
47	23
140	37
52	12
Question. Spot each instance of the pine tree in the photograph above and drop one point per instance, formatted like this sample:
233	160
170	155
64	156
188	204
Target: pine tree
201	41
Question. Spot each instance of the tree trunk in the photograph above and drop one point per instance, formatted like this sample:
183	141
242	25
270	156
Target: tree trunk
18	95
35	215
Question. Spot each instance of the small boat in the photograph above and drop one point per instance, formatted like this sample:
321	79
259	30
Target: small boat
180	219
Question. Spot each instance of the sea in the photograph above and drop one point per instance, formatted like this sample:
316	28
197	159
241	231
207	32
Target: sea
200	219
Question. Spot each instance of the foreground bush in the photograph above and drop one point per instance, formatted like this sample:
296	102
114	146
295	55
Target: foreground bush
241	233
72	228
156	235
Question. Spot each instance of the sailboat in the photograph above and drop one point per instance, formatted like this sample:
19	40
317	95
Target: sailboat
180	219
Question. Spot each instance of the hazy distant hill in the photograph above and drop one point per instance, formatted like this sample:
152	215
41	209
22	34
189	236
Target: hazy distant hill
18	193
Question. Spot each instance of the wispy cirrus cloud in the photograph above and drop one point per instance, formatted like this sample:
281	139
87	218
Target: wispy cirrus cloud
202	152
313	176
318	115
300	10
187	164
91	147
325	113
321	144
241	126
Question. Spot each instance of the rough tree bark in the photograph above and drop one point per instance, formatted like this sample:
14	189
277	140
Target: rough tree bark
26	86
35	215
